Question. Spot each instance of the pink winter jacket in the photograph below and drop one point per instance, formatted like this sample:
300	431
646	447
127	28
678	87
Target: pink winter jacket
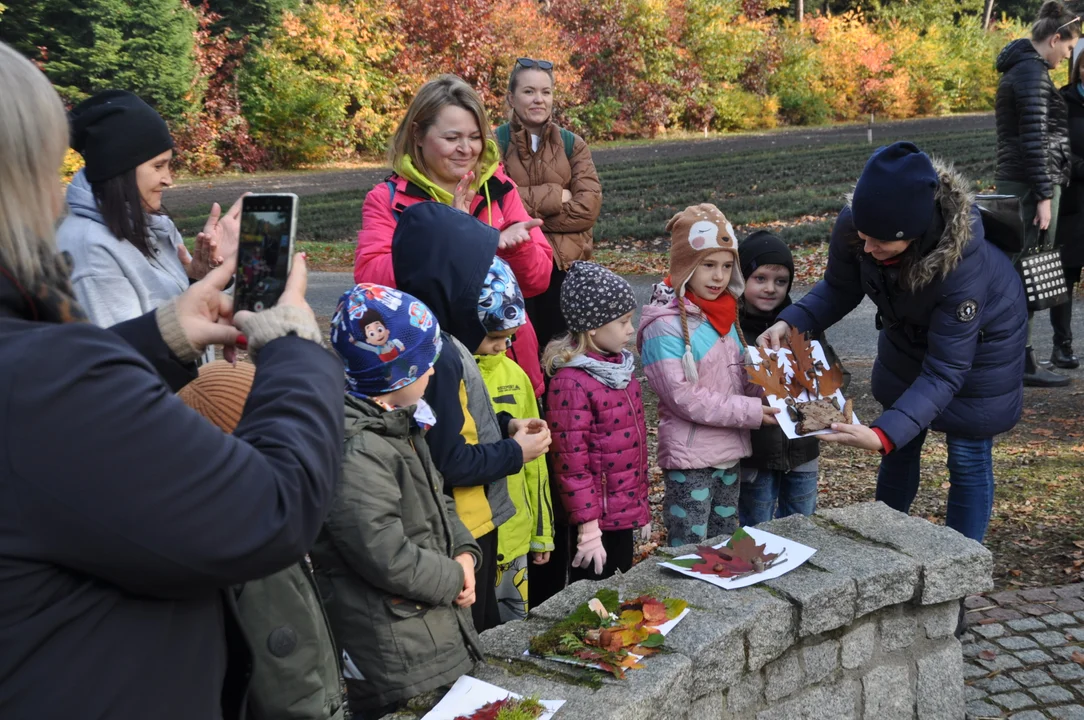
599	449
531	261
705	424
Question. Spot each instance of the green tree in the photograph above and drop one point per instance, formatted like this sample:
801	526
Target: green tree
145	47
251	17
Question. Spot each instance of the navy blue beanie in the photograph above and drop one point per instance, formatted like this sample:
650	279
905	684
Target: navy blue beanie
895	196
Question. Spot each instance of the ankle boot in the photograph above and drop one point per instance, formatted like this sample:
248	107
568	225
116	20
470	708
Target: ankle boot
1036	376
1063	357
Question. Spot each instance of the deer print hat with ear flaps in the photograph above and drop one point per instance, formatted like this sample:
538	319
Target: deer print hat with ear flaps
696	232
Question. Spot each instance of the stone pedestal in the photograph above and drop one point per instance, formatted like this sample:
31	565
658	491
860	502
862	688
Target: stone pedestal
863	630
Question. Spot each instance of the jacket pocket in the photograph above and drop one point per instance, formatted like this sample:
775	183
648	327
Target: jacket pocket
422	633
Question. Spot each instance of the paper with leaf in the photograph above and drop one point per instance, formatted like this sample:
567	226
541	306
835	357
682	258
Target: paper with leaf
749	556
469	696
798	380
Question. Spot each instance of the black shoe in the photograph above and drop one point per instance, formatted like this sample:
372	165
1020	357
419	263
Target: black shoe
1063	357
1037	376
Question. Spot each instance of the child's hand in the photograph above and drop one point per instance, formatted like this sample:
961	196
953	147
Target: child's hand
540	558
773	336
533	425
768	417
534	444
467	597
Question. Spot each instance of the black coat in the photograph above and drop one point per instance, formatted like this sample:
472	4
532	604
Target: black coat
950	355
124	515
1071	214
1032	121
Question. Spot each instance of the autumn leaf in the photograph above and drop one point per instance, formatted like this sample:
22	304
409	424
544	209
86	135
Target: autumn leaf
719	562
987	655
773	382
631	618
1077	657
509	707
654	612
805	371
674	607
829	381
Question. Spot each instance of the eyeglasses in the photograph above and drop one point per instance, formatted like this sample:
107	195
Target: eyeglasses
540	64
1058	30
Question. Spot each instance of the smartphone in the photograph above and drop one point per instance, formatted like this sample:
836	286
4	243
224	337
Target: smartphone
265	251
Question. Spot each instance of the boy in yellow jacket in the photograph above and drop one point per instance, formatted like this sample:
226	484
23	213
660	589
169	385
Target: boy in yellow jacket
530	530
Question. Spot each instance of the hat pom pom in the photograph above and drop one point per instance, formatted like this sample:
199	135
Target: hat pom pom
689	365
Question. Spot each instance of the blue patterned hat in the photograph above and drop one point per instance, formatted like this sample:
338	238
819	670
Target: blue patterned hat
386	339
501	305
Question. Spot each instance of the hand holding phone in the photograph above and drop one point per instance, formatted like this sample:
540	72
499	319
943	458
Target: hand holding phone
265	250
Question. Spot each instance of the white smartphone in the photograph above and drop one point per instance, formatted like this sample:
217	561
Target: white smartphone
266	249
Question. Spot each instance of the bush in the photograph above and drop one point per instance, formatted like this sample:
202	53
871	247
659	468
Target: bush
739	109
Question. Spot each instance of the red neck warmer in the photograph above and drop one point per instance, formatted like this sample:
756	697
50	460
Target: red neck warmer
722	312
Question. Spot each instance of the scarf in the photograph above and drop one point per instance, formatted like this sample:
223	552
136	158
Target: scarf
51	299
488	163
616	375
423	415
754	322
722	312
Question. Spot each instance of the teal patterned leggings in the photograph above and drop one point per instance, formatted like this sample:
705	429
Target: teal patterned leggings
700	504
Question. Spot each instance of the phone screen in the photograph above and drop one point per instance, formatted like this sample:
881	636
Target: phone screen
265	250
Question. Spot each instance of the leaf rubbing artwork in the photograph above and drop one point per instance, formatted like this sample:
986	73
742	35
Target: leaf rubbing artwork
609	633
806	375
740	557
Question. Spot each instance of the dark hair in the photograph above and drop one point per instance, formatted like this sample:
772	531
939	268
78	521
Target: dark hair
1054	17
1074	71
121	207
369	317
518	68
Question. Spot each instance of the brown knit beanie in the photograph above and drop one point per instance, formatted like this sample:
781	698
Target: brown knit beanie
695	232
220	392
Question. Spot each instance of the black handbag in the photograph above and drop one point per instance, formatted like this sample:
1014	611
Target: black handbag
1040	268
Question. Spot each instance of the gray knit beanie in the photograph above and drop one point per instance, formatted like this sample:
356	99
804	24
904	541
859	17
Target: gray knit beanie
592	296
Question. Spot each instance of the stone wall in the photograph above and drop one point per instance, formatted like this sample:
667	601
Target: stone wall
865	629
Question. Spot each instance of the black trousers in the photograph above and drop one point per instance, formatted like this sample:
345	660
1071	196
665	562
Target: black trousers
545	312
484	611
549	579
1061	317
619	549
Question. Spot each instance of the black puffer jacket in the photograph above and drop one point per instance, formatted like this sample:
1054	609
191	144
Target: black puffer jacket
1032	121
1071	214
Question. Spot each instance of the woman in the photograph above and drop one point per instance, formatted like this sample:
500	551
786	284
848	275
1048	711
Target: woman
556	178
953	324
1033	138
126	517
1071	218
129	257
443	151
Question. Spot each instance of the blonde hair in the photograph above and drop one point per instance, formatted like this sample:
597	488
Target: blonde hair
563	348
431	98
33	139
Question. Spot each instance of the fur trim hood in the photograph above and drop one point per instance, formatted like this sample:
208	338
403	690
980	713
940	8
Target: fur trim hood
938	252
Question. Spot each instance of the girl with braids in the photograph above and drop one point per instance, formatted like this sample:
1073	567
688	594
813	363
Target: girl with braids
692	349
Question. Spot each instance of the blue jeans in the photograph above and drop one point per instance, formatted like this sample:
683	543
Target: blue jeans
795	493
971	474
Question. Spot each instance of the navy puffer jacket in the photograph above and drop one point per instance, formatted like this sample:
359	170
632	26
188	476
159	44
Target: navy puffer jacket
952	316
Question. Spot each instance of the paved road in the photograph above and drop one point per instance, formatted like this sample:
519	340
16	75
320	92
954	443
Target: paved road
854	337
200	193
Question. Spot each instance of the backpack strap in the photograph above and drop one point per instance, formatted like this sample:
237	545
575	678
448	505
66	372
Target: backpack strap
504	138
570	142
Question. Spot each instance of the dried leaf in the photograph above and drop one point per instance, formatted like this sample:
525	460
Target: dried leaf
987	655
771	379
631	618
1077	657
805	372
829	381
654	612
674	607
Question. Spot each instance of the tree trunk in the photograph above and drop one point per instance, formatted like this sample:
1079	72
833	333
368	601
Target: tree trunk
987	14
800	10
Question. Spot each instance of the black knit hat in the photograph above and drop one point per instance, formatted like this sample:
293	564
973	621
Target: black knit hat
115	131
592	296
896	195
763	248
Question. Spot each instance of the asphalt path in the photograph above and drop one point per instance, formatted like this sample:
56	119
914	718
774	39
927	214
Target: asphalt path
853	337
198	193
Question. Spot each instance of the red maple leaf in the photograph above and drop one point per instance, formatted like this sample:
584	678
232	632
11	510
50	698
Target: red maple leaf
720	562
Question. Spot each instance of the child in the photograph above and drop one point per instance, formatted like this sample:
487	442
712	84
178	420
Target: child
502	311
442	256
596	413
693	355
295	669
395	561
780	471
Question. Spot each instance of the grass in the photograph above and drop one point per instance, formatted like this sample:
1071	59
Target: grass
795	192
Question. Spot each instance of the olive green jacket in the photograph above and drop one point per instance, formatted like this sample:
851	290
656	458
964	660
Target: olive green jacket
384	563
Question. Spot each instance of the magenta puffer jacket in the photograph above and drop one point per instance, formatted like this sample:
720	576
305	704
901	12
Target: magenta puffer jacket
599	449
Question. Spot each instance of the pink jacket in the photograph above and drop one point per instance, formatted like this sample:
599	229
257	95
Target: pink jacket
531	261
705	424
599	449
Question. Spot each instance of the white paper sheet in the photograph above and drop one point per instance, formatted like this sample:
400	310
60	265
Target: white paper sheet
468	695
795	554
664	629
782	357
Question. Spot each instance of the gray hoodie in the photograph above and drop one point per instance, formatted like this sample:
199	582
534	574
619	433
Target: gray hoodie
112	279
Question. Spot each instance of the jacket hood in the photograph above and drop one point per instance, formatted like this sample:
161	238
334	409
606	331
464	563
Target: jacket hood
1016	52
441	256
938	252
488	163
367	415
663	304
81	200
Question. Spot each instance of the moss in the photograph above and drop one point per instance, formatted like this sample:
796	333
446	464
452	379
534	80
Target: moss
518	667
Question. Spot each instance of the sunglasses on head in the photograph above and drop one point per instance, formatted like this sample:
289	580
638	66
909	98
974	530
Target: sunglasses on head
1076	19
531	63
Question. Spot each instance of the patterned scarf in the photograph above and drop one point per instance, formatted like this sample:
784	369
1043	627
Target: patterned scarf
51	299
